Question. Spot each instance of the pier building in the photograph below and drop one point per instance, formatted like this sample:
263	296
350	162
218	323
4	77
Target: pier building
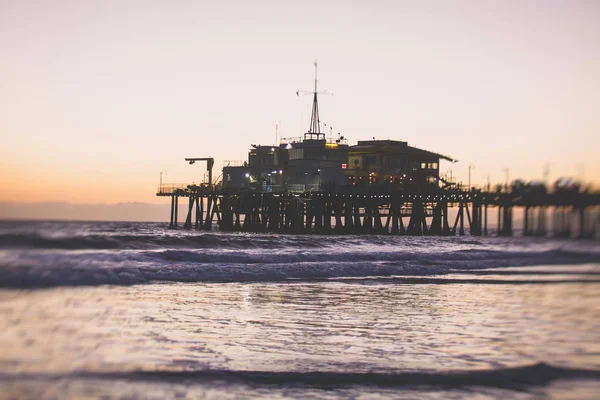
392	162
314	163
296	165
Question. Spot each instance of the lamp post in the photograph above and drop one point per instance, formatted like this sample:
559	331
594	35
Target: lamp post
449	176
161	174
319	179
506	178
471	166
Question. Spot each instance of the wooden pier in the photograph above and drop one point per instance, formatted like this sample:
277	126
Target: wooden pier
573	214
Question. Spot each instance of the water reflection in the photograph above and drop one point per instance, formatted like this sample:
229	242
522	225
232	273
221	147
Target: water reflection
299	327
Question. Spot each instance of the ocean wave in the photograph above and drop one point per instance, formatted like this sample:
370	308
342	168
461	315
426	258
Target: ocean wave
160	238
175	240
518	378
469	259
72	275
49	268
50	254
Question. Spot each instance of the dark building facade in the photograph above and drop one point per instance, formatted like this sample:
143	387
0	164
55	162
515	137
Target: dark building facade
317	163
297	165
391	162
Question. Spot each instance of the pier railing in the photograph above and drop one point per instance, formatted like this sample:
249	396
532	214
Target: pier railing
295	188
290	140
300	188
170	188
233	163
300	139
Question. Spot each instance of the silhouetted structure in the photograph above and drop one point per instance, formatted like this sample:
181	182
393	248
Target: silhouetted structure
296	165
315	185
386	212
391	162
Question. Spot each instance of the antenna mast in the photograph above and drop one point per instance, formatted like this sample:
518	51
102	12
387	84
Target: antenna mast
315	123
314	131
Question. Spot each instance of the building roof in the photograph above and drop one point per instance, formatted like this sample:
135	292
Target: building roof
391	145
431	153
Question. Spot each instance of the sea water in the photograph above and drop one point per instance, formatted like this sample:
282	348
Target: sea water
134	310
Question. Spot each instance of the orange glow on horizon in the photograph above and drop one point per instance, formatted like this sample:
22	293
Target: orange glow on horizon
96	99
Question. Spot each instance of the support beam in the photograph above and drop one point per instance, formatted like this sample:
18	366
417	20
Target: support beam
176	211
485	220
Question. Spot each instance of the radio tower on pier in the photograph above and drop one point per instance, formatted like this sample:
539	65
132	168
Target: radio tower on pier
314	131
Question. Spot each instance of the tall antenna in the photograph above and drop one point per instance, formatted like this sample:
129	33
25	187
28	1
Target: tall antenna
315	122
316	68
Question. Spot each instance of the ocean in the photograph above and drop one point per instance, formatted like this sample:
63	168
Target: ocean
134	310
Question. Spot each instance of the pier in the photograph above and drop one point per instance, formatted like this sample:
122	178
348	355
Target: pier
354	211
315	184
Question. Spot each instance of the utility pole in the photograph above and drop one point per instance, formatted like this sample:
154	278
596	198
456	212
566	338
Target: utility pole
546	172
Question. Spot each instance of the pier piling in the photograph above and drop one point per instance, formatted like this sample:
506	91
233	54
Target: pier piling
348	212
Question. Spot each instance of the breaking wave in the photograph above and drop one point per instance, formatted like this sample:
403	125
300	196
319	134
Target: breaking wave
149	241
70	254
48	268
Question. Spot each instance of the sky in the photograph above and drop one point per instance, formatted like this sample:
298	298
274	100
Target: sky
98	97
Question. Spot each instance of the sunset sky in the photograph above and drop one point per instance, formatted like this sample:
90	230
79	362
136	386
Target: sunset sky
97	97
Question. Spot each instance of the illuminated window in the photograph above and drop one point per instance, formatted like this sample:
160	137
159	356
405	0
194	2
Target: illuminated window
344	166
423	165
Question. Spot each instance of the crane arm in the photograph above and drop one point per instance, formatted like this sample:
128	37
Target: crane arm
210	162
